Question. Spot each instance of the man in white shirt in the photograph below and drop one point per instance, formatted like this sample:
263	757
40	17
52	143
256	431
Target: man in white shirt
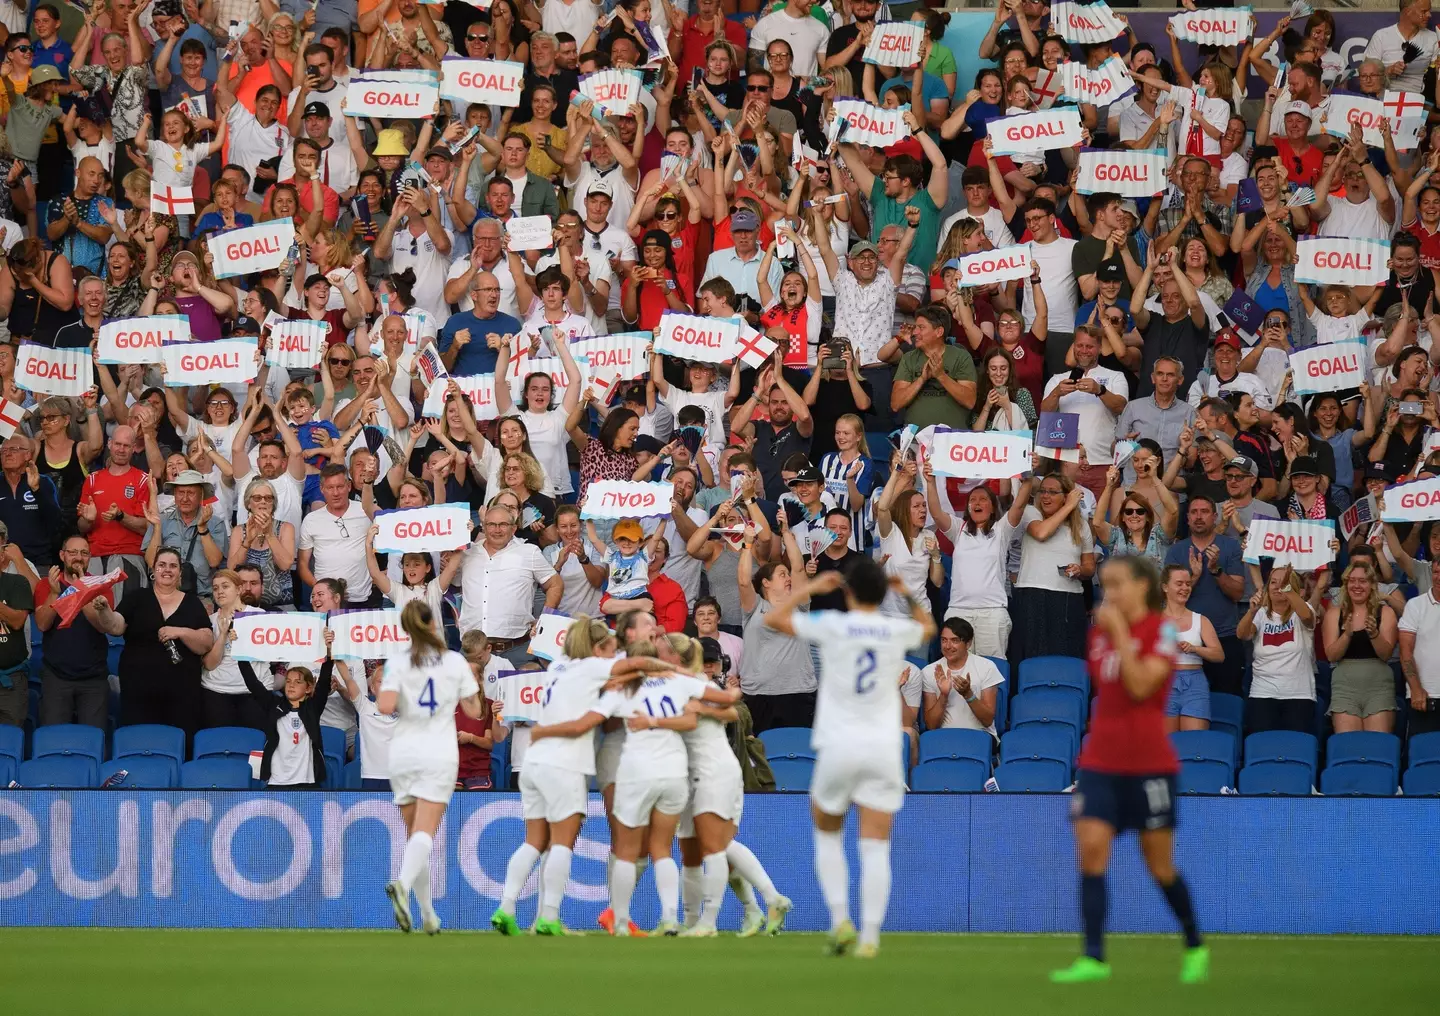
332	540
1098	396
318	85
793	23
1057	279
337	159
611	165
976	183
1407	49
1367	209
486	255
413	237
596	279
498	579
1228	377
960	689
1420	656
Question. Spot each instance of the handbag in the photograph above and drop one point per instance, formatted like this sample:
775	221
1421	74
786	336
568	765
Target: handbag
189	581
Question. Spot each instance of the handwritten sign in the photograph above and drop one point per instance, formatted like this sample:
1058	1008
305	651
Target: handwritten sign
626	499
1035	132
623	354
530	232
866	124
299	343
1329	367
1303	545
490	82
290	638
256	248
434	528
1342	260
551	627
479	387
1412	502
367	634
224	361
140	340
371	96
48	371
1130	174
1214	27
988	455
692	337
1085	23
1000	265
612	91
895	44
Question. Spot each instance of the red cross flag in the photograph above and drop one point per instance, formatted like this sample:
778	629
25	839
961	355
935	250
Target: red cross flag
1047	88
755	349
171	199
11	413
82	592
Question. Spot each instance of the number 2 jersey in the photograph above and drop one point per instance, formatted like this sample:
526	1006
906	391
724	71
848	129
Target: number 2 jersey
572	689
1127	735
862	655
425	727
659	753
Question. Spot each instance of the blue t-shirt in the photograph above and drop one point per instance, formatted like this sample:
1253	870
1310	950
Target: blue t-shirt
205	39
476	357
1269	298
215	221
932	89
1082	316
1206	598
978	113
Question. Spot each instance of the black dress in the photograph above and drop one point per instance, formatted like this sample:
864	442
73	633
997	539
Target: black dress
152	688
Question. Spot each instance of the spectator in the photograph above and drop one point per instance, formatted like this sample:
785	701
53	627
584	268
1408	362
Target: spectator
665	593
1217	582
1098	395
29	506
545	422
1419	633
1240	506
909	550
935	382
1367	209
294	757
190	524
332	540
610	455
1159	416
787	432
1280	625
499	578
1055	254
778	675
583	578
1057	556
902	186
1198	216
225	700
1188	705
17	601
864	305
1227	377
1359	635
1132	526
264	542
720	542
76	227
795	24
1180	331
740	263
961	688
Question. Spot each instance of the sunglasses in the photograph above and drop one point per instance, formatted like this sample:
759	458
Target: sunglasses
757	88
21	49
340	359
1134	511
667	216
477	38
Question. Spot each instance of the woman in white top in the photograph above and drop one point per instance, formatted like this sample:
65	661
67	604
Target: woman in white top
226	700
423	689
910	552
553	792
1188	706
1280	624
544	422
962	688
982	538
376	728
1057	555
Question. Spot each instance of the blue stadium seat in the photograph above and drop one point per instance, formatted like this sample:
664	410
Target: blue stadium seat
1045	706
58	772
957	743
1372	746
1282	778
143	772
1420	781
792	773
787	743
69	739
1002	695
332	742
1359	779
1053	672
1030	776
1227	713
1288	747
334	770
352	776
1205	746
12	742
1424	749
1039	741
216	773
500	774
1204	776
149	739
7	769
954	776
228	742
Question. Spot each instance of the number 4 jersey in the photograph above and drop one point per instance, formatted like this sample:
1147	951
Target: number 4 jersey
862	660
425	729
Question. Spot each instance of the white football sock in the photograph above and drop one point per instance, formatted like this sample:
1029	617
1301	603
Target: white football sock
742	861
874	888
540	880
641	865
609	866
556	873
833	873
516	872
745	893
667	887
622	887
412	862
715	872
691	893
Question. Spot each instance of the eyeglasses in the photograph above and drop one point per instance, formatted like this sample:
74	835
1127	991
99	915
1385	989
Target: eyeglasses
262	497
487	289
757	88
1051	492
50	416
1276	323
343	531
1132	511
21	49
477	38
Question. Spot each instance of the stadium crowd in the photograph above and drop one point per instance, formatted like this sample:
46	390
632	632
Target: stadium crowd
723	192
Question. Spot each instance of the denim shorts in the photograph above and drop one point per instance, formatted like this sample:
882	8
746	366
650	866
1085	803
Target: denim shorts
1189	695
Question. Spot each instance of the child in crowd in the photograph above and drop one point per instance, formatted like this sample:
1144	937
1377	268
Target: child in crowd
700	376
627	587
1342	317
418	571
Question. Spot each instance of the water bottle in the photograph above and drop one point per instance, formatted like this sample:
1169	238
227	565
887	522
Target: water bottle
173	650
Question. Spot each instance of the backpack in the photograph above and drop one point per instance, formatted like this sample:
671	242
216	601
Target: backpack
750	751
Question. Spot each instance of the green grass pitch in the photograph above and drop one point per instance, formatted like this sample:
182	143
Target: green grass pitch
156	972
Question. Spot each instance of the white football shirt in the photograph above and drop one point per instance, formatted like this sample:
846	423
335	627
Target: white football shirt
657	753
572	689
425	729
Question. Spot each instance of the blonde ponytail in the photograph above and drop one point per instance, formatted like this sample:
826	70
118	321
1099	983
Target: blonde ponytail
584	635
426	645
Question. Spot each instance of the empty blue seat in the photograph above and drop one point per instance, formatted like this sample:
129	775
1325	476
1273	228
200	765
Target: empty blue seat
1204	746
1031	776
58	772
1359	779
1424	749
228	742
142	772
1204	776
7	769
1275	778
217	772
500	774
12	742
1288	747
1002	693
149	739
957	743
334	770
956	776
1227	713
69	739
787	743
1363	746
332	742
1039	741
1420	781
1044	706
351	780
1053	672
792	773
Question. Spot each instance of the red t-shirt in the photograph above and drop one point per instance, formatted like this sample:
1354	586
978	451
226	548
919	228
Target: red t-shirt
652	299
130	492
1128	736
474	760
669	597
335	330
1303	169
1429	243
682	249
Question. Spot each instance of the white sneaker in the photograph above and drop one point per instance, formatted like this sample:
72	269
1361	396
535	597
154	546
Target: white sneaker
753	924
699	931
779	907
400	902
430	923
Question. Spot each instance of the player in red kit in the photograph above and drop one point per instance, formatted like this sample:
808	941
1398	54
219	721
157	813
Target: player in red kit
1127	765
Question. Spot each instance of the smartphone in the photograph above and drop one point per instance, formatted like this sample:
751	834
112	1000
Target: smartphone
1004	391
1412	409
697	75
1076	373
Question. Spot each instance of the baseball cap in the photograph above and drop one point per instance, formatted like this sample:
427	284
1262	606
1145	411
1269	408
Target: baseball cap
1110	271
600	187
42	75
1227	337
1305	465
1244	462
646	443
807	475
864	247
317	109
315	277
744	221
185	255
628	529
438	152
1300	106
1375	471
710	650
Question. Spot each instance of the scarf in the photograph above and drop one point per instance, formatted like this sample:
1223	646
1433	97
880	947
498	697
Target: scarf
1317	511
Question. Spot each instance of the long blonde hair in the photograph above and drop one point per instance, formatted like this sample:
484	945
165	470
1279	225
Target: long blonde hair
692	655
426	644
858	426
1072	521
1295	587
584	635
1347	605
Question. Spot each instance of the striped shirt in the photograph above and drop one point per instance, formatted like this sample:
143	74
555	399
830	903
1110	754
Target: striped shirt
862	518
